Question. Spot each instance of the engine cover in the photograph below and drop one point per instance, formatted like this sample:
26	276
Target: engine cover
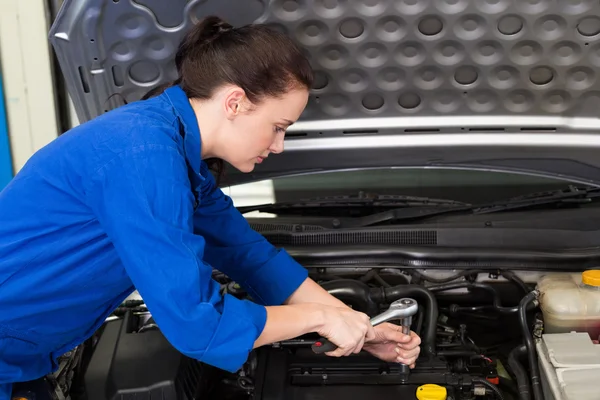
299	374
131	364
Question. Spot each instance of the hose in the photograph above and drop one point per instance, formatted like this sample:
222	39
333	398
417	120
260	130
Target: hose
519	372
508	386
497	305
423	296
490	386
456	353
531	353
354	292
374	275
509	275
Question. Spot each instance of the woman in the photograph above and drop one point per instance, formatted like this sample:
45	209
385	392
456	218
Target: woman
126	201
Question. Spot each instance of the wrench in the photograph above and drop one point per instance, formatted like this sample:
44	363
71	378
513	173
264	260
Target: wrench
403	309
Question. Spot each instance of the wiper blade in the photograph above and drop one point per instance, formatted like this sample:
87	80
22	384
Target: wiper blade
397	215
360	200
571	194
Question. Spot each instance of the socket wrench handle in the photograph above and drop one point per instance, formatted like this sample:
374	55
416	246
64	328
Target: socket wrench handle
402	309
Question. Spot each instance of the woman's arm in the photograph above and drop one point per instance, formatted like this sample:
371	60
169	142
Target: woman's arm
268	274
347	328
310	291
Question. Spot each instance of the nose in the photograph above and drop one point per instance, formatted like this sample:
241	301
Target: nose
277	145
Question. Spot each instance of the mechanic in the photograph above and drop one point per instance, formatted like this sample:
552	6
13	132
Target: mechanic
127	201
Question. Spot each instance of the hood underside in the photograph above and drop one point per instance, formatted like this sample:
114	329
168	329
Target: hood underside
488	84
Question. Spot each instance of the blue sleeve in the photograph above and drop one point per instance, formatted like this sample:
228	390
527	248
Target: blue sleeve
143	201
270	275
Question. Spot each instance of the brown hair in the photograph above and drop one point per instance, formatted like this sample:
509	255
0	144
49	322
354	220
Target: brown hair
261	61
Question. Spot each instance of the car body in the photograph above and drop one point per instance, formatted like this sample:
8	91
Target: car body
473	101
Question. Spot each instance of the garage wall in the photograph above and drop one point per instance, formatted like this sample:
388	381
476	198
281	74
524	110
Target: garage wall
27	77
6	168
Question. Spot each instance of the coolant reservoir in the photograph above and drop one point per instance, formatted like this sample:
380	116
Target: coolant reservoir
571	302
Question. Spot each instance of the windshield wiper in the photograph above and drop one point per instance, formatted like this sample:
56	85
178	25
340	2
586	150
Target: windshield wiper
362	200
570	195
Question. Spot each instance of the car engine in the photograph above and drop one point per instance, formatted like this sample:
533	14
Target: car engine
468	321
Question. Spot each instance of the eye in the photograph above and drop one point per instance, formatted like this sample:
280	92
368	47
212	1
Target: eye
279	129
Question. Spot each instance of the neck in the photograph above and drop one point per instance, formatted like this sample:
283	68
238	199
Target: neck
209	127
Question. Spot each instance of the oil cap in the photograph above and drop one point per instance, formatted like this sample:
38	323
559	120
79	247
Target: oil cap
591	277
431	392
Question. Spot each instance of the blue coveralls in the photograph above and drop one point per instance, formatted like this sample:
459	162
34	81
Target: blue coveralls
108	208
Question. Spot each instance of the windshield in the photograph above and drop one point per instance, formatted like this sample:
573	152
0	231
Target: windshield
462	185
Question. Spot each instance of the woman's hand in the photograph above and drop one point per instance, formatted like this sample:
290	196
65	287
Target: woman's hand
391	345
346	328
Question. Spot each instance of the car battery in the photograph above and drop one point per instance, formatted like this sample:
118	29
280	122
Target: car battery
569	366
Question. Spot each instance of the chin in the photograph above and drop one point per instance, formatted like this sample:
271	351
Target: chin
246	167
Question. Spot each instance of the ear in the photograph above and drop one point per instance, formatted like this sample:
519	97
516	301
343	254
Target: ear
235	98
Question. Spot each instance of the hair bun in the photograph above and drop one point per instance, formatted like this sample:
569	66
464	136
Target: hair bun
212	27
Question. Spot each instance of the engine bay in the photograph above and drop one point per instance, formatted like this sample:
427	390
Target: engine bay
469	322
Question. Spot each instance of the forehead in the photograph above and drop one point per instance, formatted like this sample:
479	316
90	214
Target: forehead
288	106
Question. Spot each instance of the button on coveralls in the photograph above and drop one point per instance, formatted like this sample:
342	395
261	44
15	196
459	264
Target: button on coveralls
108	208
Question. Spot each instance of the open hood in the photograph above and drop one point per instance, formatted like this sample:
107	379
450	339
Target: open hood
487	84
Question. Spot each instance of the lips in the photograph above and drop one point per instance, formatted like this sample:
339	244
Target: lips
259	160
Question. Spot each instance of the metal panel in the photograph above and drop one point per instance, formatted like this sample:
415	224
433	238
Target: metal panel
6	168
384	58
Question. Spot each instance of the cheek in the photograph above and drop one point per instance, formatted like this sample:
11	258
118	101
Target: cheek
253	138
260	139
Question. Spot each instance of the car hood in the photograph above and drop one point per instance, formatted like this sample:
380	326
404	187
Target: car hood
481	84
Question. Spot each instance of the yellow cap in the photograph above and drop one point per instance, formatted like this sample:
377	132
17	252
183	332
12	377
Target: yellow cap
431	392
591	277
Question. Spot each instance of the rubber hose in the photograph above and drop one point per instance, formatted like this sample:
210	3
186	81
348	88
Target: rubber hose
516	280
508	386
353	292
531	353
497	305
456	353
519	372
490	386
423	296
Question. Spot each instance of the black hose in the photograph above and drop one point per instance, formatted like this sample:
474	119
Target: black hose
121	311
423	296
490	386
497	305
368	276
519	372
531	353
492	307
132	303
511	276
381	281
456	353
419	324
353	292
508	386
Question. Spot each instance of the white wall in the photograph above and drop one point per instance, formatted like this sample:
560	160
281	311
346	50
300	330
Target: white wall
27	75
